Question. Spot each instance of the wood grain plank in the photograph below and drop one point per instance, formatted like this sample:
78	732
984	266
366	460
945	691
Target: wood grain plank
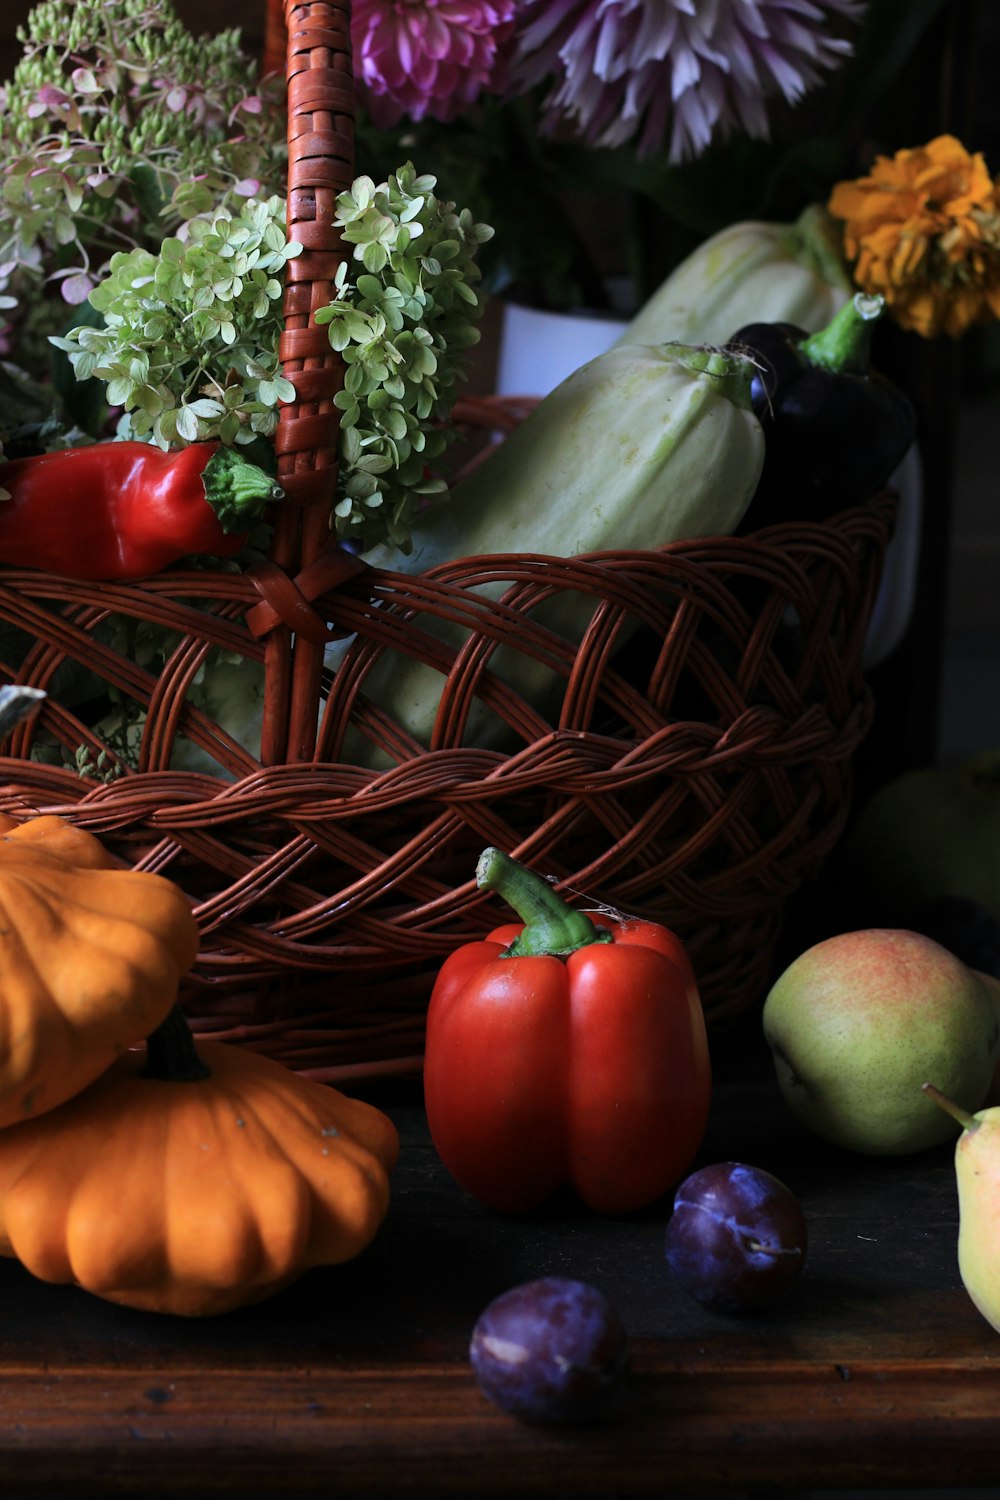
426	1428
876	1371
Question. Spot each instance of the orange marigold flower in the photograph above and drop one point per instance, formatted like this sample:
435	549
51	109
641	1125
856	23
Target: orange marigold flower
923	229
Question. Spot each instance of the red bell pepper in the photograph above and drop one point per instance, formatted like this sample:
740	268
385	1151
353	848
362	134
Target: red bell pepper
567	1049
126	510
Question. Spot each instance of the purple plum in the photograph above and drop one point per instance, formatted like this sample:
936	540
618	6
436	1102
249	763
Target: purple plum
550	1351
736	1240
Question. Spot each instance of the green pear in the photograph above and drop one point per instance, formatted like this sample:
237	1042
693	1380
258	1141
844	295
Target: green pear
930	832
977	1171
857	1022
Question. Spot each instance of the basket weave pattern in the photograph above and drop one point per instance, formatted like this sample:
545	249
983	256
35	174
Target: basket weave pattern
694	766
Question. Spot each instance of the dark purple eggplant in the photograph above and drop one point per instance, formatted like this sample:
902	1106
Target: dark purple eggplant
834	428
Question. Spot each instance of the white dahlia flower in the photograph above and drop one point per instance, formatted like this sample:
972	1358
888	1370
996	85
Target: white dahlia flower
676	73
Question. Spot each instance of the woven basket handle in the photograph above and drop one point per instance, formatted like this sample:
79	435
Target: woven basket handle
320	166
274	53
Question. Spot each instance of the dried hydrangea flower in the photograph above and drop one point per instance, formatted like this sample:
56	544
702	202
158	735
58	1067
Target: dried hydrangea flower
433	58
680	73
923	229
116	125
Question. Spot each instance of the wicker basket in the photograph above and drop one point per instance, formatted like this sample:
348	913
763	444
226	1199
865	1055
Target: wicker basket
696	768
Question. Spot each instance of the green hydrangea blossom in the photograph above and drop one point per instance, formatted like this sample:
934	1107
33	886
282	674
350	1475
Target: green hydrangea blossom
403	326
188	346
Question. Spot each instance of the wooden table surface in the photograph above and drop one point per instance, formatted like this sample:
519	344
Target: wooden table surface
878	1372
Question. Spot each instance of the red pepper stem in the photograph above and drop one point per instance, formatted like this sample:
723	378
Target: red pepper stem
550	925
236	489
844	345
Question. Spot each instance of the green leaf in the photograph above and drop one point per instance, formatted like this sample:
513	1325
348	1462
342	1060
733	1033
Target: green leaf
361	194
349	408
84	365
374	257
165	427
191	198
395	423
340	335
350	446
148	405
120	391
187	425
64	229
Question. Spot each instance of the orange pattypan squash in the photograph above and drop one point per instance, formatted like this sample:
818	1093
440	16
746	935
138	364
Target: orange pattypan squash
90	962
194	1195
57	836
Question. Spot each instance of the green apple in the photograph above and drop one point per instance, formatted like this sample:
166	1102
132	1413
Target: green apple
859	1022
930	832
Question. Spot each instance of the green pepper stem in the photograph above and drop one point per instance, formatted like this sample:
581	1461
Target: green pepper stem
236	489
171	1054
550	925
844	345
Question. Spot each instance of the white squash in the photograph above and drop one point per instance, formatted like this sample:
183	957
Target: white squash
750	272
638	448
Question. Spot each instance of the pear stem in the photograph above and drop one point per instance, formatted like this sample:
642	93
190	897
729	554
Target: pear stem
964	1118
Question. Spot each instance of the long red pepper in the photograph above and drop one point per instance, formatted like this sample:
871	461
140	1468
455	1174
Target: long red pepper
116	511
568	1050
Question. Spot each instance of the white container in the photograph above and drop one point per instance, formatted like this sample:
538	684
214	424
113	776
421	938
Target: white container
538	349
898	591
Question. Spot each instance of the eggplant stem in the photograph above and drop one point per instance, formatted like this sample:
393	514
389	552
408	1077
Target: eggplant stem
844	345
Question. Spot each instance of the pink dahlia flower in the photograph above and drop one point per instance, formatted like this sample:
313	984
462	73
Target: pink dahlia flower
417	58
683	71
